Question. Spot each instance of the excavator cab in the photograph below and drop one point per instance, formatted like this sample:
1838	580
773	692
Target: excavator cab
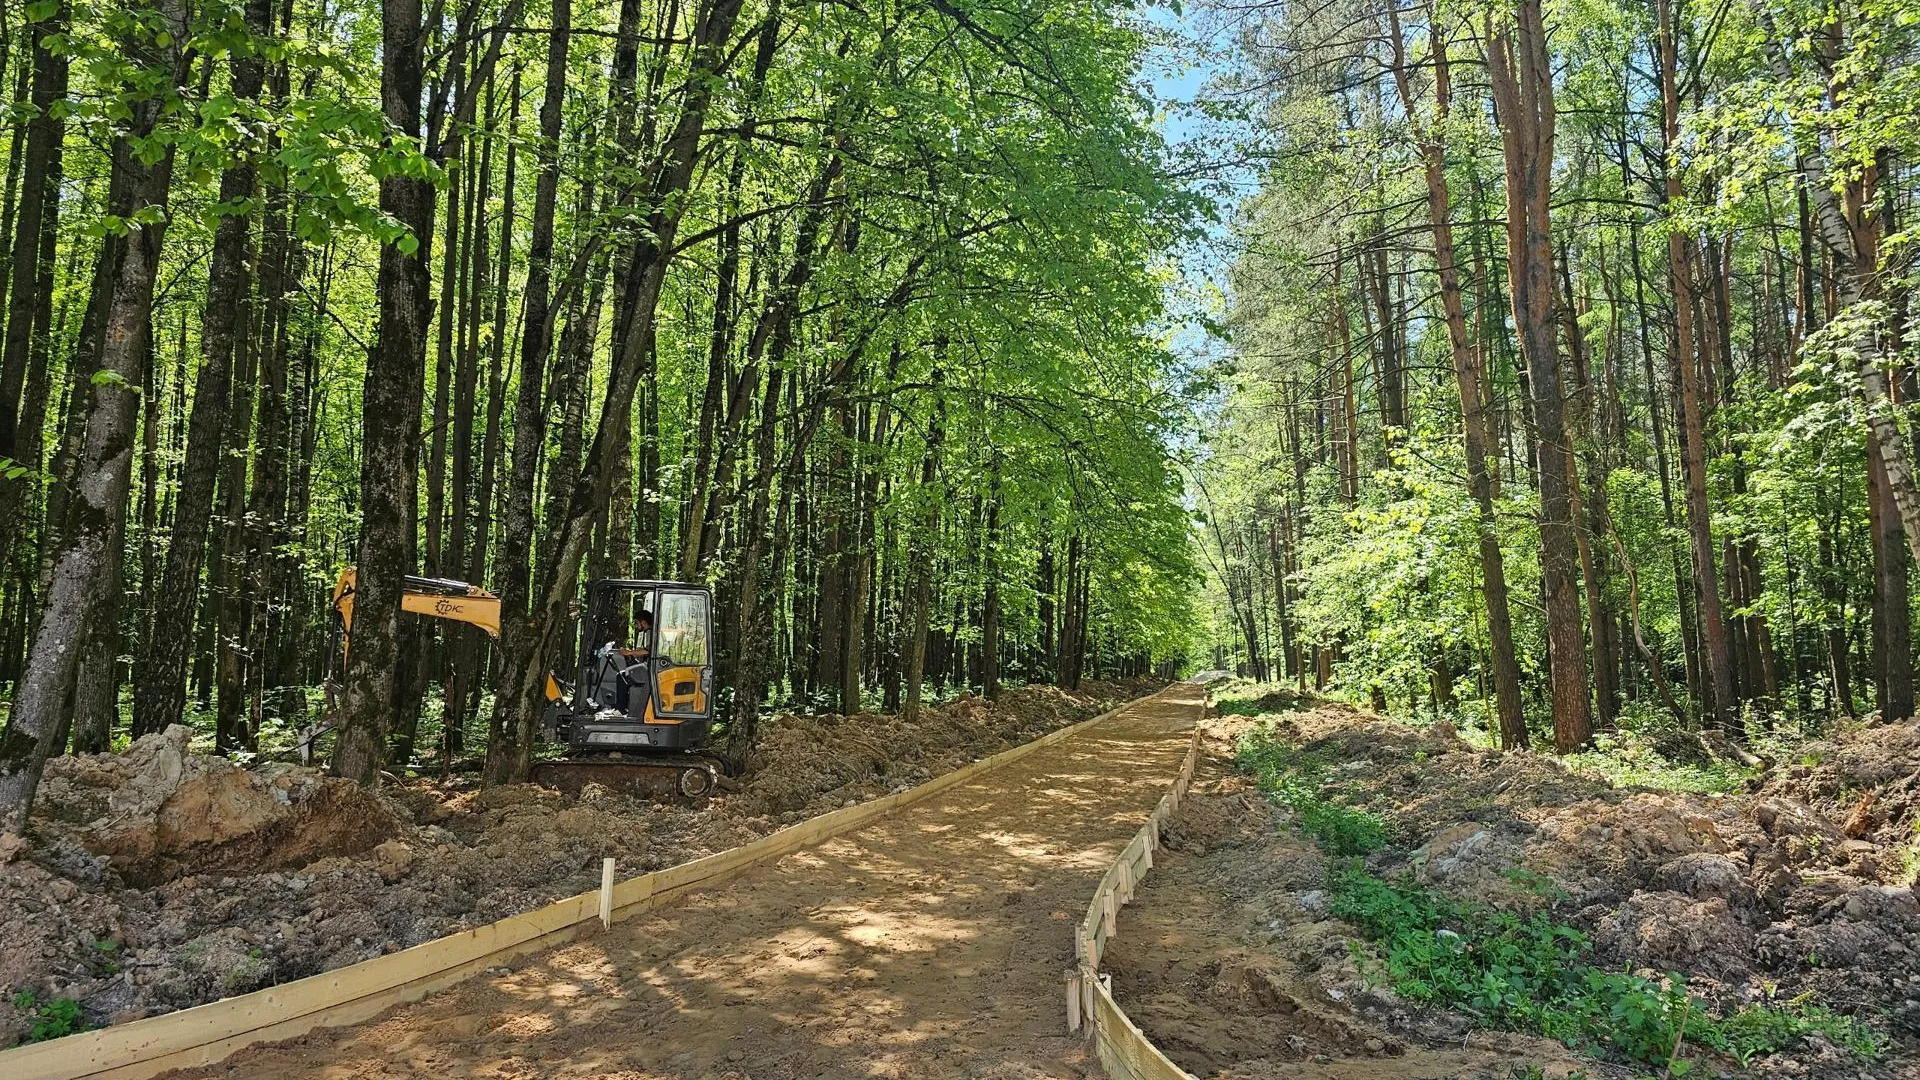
645	670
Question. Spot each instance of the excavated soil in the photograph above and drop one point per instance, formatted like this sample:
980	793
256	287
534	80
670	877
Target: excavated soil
156	879
1229	959
928	946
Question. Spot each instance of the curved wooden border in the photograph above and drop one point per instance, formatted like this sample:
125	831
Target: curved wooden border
206	1034
1125	1052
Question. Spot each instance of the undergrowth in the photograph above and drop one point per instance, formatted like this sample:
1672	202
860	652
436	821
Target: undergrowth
51	1019
1299	780
1631	762
1531	974
1528	973
1258	699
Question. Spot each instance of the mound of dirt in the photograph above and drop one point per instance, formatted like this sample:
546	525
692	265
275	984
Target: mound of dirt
158	879
1866	783
1800	886
1755	895
811	764
159	812
1229	960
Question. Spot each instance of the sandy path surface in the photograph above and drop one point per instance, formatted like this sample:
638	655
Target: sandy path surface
929	945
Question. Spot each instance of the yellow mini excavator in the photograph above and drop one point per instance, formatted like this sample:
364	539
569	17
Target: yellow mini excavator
639	715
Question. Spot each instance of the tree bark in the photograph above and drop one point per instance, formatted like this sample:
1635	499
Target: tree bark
25	348
1712	621
114	347
1469	372
390	415
1524	100
1850	230
528	632
1892	603
920	550
160	680
38	213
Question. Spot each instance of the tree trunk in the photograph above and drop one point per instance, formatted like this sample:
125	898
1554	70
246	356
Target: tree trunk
526	641
1851	231
1469	373
390	417
160	681
990	606
1525	103
920	549
113	345
37	218
509	746
1892	605
1712	622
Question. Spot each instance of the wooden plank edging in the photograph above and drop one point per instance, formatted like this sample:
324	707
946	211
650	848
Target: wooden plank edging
207	1034
1119	1044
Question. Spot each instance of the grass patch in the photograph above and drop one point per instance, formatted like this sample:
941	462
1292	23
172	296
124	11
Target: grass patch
1298	780
1631	762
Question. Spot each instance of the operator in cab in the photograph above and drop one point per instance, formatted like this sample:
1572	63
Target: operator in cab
642	635
634	655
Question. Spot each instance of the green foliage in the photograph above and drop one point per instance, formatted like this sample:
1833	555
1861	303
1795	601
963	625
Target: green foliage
1532	974
1647	751
1350	530
53	1018
1255	699
106	957
1298	781
1760	1029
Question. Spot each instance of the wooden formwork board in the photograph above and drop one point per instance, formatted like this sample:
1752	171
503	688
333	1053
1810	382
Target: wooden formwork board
1127	1053
207	1034
1122	1049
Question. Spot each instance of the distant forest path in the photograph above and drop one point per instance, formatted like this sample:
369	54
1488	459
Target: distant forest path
928	945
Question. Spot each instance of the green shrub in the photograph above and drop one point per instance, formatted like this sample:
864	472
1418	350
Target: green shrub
1629	760
1258	699
1758	1030
52	1019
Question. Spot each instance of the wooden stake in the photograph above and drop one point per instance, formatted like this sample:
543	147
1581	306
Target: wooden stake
606	894
1073	1001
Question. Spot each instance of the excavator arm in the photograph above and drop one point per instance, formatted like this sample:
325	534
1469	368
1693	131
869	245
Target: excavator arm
436	598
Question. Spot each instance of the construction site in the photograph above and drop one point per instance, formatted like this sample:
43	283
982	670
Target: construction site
1021	890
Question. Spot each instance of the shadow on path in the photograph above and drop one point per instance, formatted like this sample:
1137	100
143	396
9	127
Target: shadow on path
928	945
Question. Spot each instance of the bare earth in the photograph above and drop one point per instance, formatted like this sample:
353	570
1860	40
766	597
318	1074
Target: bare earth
1229	976
930	945
1231	960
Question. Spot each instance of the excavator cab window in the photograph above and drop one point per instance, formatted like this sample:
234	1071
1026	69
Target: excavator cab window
681	652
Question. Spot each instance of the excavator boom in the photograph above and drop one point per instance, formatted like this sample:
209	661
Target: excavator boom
437	598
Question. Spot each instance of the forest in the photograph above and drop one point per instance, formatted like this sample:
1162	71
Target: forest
1569	353
849	311
1433	483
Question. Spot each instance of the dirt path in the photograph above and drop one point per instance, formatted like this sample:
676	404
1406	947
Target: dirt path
930	945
